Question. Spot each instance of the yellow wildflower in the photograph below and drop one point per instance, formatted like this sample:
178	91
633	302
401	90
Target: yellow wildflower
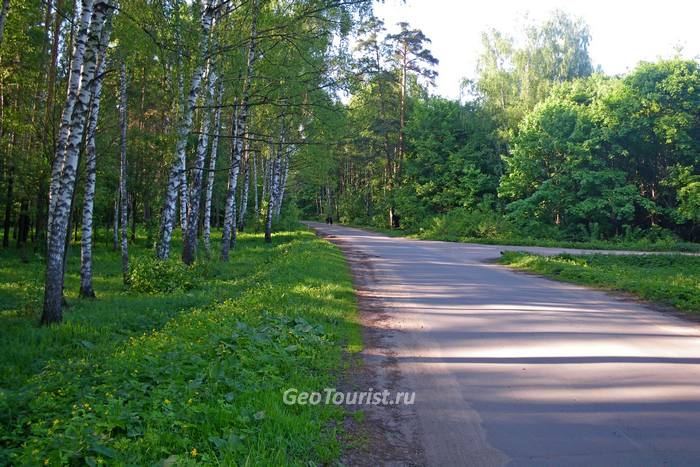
193	452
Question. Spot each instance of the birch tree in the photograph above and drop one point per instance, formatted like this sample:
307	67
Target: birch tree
239	129
74	81
211	175
115	222
184	127
86	289
189	249
284	171
60	209
246	185
230	200
122	173
274	191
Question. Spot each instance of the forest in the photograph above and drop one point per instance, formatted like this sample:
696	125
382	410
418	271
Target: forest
157	290
541	146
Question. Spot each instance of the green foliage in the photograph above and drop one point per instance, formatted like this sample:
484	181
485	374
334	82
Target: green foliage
514	79
668	279
180	377
150	275
599	156
468	225
452	158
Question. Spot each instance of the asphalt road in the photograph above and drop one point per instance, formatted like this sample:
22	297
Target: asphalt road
514	369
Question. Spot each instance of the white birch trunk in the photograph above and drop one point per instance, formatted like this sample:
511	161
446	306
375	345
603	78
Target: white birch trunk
182	187
183	193
255	184
266	164
272	202
212	170
245	187
122	174
185	124
230	201
74	81
189	248
284	171
115	231
86	289
229	231
58	230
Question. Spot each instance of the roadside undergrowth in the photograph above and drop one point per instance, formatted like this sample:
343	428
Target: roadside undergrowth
666	279
182	375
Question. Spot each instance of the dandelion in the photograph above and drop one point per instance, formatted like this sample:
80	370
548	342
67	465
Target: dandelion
166	402
46	462
194	452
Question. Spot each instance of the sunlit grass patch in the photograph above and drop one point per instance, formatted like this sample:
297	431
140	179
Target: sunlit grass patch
668	279
184	375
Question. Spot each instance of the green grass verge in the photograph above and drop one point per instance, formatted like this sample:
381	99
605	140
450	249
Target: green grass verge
641	245
194	374
596	245
667	279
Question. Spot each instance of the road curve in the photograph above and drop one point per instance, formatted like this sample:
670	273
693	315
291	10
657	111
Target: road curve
514	369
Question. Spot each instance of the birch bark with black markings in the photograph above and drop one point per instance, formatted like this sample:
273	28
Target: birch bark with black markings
60	209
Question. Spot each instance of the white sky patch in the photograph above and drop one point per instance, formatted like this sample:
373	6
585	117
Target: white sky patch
623	32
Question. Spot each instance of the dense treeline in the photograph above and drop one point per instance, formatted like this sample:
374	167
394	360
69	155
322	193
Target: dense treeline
543	146
118	117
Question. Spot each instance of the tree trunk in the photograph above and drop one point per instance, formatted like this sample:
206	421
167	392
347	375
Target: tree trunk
189	247
122	174
23	224
255	185
230	202
115	224
74	84
266	165
183	192
246	185
272	202
86	289
61	204
284	171
185	124
180	103
8	207
239	128
212	170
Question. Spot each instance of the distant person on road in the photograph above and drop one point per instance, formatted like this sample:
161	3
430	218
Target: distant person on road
329	220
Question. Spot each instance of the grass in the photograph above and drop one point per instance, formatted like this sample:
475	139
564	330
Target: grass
667	279
448	235
590	245
191	375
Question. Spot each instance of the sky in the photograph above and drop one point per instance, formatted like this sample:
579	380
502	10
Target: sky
623	32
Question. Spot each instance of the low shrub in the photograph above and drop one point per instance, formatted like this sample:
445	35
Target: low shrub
151	276
461	224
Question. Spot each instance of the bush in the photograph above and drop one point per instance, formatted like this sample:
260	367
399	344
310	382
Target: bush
150	275
461	223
